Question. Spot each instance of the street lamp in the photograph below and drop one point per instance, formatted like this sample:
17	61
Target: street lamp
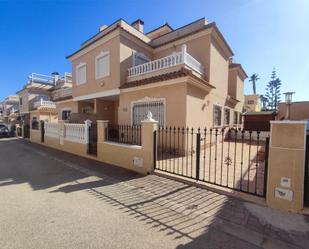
288	101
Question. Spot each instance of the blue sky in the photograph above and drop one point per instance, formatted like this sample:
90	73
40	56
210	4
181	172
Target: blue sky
35	36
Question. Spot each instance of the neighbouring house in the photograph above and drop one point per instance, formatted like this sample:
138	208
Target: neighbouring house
258	121
61	95
35	100
184	76
297	110
10	109
252	103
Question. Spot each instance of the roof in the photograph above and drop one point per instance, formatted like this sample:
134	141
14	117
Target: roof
164	25
237	65
162	77
179	33
295	102
260	113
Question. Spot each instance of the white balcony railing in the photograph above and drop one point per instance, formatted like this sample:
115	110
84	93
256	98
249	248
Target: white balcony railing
179	58
41	78
44	103
62	93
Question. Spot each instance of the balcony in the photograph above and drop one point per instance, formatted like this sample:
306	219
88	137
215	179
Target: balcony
62	93
162	65
44	103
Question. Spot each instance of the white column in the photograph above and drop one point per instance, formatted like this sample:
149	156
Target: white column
87	125
184	52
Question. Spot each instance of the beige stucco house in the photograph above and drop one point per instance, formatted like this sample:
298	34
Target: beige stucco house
297	110
185	77
10	109
252	103
61	95
35	98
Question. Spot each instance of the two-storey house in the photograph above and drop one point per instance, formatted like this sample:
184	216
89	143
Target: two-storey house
184	76
35	99
61	95
10	109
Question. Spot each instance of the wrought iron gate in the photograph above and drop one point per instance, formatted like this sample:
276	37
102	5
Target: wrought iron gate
93	139
42	131
230	158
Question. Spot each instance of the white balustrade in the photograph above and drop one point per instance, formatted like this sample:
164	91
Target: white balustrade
179	58
77	132
62	93
44	103
51	129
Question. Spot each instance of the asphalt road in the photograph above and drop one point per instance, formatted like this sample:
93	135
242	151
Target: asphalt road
50	199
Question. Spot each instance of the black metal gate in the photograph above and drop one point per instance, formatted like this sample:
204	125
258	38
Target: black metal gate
229	158
306	193
93	139
42	131
26	131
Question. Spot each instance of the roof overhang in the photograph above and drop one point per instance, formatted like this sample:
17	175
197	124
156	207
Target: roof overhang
108	93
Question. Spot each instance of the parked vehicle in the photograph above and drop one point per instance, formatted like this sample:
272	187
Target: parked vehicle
4	131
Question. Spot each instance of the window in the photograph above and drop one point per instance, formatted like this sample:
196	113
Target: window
81	74
34	124
87	109
20	101
139	58
235	117
102	65
217	115
250	102
240	118
141	109
226	116
66	114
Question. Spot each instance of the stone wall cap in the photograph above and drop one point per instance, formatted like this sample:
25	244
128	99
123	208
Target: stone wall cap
288	121
150	121
102	121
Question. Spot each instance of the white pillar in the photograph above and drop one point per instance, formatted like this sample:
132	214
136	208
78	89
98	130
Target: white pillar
184	52
87	125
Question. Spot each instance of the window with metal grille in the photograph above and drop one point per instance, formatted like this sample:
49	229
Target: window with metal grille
217	116
66	114
140	110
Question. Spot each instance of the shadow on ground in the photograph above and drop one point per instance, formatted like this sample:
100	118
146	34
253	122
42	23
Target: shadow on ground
204	219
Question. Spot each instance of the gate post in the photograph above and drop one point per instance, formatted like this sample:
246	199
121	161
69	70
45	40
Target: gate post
286	165
149	128
87	126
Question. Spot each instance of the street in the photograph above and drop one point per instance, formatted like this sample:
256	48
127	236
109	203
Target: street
51	199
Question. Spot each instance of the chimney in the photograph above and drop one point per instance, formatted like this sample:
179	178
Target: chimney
56	77
139	25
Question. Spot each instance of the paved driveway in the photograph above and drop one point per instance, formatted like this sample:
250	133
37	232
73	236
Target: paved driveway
50	199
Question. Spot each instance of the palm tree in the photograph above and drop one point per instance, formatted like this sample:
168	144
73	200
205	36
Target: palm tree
254	78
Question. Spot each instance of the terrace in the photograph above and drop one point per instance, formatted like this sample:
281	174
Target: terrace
170	63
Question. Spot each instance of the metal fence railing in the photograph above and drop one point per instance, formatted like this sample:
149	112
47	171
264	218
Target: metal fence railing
231	158
126	134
